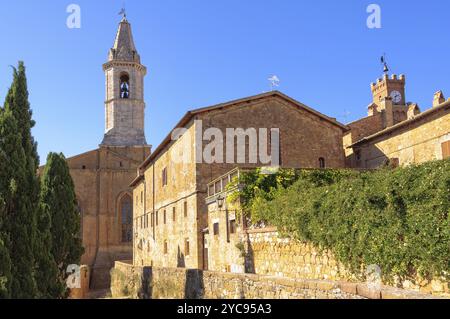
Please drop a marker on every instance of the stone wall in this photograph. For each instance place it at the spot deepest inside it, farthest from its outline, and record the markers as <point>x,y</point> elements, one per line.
<point>179,283</point>
<point>269,254</point>
<point>265,253</point>
<point>275,256</point>
<point>82,292</point>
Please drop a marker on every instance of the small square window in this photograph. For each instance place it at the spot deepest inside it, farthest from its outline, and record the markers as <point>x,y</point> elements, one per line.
<point>164,176</point>
<point>186,247</point>
<point>216,229</point>
<point>232,226</point>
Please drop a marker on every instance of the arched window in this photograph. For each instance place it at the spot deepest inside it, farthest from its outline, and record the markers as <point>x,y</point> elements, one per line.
<point>124,86</point>
<point>321,162</point>
<point>126,213</point>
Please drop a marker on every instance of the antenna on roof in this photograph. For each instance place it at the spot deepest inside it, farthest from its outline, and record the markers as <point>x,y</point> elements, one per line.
<point>385,65</point>
<point>274,82</point>
<point>345,115</point>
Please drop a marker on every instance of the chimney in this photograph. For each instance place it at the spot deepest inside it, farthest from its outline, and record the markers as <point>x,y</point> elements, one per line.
<point>438,98</point>
<point>413,110</point>
<point>388,111</point>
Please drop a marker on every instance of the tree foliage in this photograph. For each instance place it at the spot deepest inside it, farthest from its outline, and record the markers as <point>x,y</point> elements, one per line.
<point>397,219</point>
<point>16,216</point>
<point>58,203</point>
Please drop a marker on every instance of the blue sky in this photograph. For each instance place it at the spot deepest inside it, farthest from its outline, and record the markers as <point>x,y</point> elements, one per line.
<point>201,52</point>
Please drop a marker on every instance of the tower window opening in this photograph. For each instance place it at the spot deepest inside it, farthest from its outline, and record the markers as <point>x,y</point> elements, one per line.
<point>124,86</point>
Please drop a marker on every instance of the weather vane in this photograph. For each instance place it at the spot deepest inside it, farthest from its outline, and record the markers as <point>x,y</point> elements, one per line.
<point>385,65</point>
<point>123,11</point>
<point>274,82</point>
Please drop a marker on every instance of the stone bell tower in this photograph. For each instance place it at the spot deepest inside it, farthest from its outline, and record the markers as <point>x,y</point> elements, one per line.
<point>124,105</point>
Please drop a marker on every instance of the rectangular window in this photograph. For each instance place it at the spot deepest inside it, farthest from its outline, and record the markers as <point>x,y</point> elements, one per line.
<point>185,209</point>
<point>164,176</point>
<point>186,247</point>
<point>165,248</point>
<point>216,229</point>
<point>152,217</point>
<point>156,218</point>
<point>164,216</point>
<point>446,150</point>
<point>174,213</point>
<point>232,226</point>
<point>142,197</point>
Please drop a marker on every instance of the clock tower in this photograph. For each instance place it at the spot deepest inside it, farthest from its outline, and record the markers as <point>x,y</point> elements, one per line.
<point>389,99</point>
<point>393,87</point>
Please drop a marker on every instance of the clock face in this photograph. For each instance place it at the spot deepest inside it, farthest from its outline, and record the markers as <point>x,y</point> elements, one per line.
<point>396,96</point>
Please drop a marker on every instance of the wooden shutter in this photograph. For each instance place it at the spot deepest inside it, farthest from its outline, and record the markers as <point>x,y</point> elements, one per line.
<point>446,150</point>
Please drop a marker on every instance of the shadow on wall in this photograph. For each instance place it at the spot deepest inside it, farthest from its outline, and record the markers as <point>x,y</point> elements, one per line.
<point>146,283</point>
<point>181,263</point>
<point>249,258</point>
<point>377,158</point>
<point>194,286</point>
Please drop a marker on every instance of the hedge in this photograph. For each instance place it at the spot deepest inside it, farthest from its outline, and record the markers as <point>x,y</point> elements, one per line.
<point>397,219</point>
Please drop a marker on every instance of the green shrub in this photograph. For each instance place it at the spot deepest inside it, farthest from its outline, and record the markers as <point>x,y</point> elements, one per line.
<point>395,218</point>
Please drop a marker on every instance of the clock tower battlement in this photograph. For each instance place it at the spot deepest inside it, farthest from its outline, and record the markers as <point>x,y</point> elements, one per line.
<point>389,86</point>
<point>389,99</point>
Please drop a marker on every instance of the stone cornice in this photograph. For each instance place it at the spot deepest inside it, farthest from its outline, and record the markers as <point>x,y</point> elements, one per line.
<point>119,63</point>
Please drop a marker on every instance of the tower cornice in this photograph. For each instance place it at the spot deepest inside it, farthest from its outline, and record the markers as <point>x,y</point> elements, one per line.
<point>115,63</point>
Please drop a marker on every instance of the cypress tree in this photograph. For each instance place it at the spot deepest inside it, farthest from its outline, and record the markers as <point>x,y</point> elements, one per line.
<point>5,260</point>
<point>22,248</point>
<point>47,277</point>
<point>16,214</point>
<point>5,270</point>
<point>58,201</point>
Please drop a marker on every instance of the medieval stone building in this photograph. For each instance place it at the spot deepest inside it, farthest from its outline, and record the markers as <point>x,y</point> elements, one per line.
<point>170,212</point>
<point>102,176</point>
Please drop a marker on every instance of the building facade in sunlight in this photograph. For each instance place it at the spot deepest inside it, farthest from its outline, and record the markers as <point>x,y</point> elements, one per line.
<point>162,209</point>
